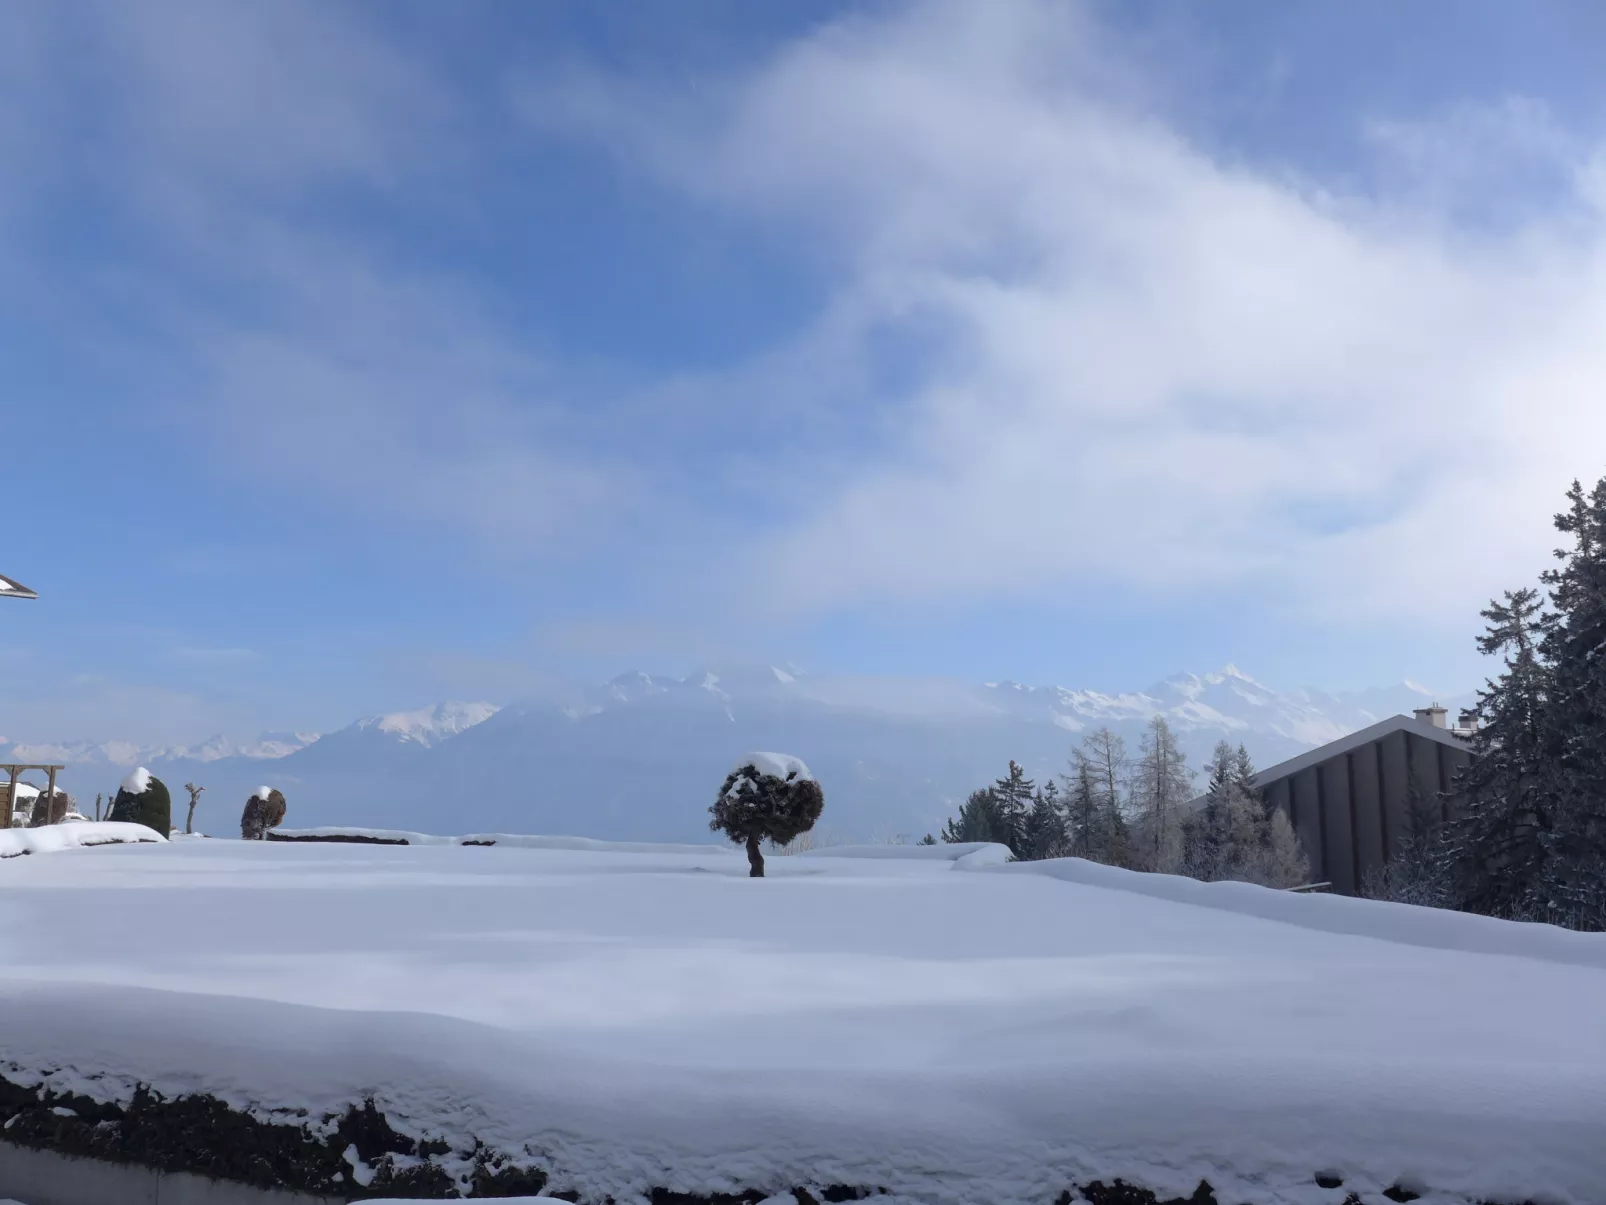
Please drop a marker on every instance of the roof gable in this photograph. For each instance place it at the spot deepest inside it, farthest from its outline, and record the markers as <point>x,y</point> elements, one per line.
<point>1395,723</point>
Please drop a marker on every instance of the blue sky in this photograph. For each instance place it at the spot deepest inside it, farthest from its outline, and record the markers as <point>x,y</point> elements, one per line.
<point>353,357</point>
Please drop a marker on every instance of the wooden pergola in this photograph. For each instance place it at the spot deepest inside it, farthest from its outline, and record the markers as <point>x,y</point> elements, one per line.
<point>8,801</point>
<point>10,587</point>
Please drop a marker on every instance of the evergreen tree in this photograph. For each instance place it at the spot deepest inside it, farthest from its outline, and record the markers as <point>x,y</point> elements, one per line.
<point>1243,773</point>
<point>1045,835</point>
<point>143,799</point>
<point>1161,792</point>
<point>928,839</point>
<point>979,819</point>
<point>1417,871</point>
<point>1498,848</point>
<point>1573,644</point>
<point>1282,862</point>
<point>1234,836</point>
<point>1205,837</point>
<point>1083,827</point>
<point>1013,796</point>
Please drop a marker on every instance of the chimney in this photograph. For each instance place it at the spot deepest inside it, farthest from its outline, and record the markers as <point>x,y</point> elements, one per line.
<point>1434,715</point>
<point>1467,721</point>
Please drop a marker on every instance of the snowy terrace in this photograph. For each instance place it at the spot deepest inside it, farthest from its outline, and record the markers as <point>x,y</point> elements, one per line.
<point>928,1023</point>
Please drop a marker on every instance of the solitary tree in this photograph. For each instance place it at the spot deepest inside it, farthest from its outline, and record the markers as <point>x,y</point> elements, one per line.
<point>195,798</point>
<point>767,797</point>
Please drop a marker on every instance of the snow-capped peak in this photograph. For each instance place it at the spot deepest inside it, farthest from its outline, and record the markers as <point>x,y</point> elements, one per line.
<point>429,725</point>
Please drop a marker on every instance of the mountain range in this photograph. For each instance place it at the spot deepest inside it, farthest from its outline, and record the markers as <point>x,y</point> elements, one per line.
<point>639,757</point>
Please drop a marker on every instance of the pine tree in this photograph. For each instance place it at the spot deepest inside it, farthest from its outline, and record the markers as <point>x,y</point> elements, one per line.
<point>1013,795</point>
<point>754,806</point>
<point>1574,646</point>
<point>1282,862</point>
<point>928,839</point>
<point>1162,788</point>
<point>1045,835</point>
<point>979,819</point>
<point>1497,850</point>
<point>1083,830</point>
<point>1417,872</point>
<point>1205,837</point>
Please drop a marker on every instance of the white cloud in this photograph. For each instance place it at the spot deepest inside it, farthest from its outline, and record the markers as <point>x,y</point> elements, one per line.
<point>1157,371</point>
<point>304,357</point>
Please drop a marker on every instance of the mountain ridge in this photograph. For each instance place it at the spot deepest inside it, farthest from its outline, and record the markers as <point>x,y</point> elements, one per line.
<point>633,756</point>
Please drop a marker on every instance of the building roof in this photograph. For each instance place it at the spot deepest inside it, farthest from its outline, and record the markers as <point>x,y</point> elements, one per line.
<point>1345,744</point>
<point>11,588</point>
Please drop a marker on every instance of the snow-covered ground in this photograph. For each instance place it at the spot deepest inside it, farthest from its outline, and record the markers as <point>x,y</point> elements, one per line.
<point>937,1025</point>
<point>52,838</point>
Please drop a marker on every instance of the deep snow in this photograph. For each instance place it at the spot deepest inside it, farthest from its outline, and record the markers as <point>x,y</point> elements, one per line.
<point>920,1019</point>
<point>75,834</point>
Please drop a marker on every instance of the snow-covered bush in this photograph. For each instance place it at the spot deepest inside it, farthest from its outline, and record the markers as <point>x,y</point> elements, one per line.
<point>143,799</point>
<point>264,810</point>
<point>51,809</point>
<point>767,797</point>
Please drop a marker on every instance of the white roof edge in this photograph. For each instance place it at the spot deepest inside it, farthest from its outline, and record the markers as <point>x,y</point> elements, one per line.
<point>1344,744</point>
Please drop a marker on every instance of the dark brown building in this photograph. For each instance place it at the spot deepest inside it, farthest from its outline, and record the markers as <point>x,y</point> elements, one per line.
<point>1348,800</point>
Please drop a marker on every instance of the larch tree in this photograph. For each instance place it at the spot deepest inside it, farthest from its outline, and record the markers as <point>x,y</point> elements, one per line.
<point>1161,790</point>
<point>1106,756</point>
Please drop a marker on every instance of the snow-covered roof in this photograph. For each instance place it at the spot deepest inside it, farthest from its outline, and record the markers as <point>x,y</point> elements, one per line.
<point>1146,1027</point>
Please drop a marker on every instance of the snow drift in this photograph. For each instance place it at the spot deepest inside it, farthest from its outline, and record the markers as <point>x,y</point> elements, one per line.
<point>950,1032</point>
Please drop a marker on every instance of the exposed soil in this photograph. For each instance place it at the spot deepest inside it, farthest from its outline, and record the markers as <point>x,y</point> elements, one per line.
<point>336,838</point>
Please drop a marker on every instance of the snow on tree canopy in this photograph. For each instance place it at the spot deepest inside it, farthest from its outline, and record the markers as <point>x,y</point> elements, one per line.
<point>262,793</point>
<point>138,782</point>
<point>781,765</point>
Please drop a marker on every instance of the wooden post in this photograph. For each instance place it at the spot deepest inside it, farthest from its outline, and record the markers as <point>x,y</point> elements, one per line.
<point>11,800</point>
<point>50,804</point>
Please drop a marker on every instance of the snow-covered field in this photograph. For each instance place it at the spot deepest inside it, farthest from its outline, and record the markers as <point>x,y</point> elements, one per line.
<point>948,1030</point>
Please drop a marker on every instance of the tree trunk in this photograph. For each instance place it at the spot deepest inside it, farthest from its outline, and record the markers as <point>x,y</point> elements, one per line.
<point>755,859</point>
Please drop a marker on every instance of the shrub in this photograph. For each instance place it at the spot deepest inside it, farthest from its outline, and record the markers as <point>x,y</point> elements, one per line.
<point>264,810</point>
<point>143,799</point>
